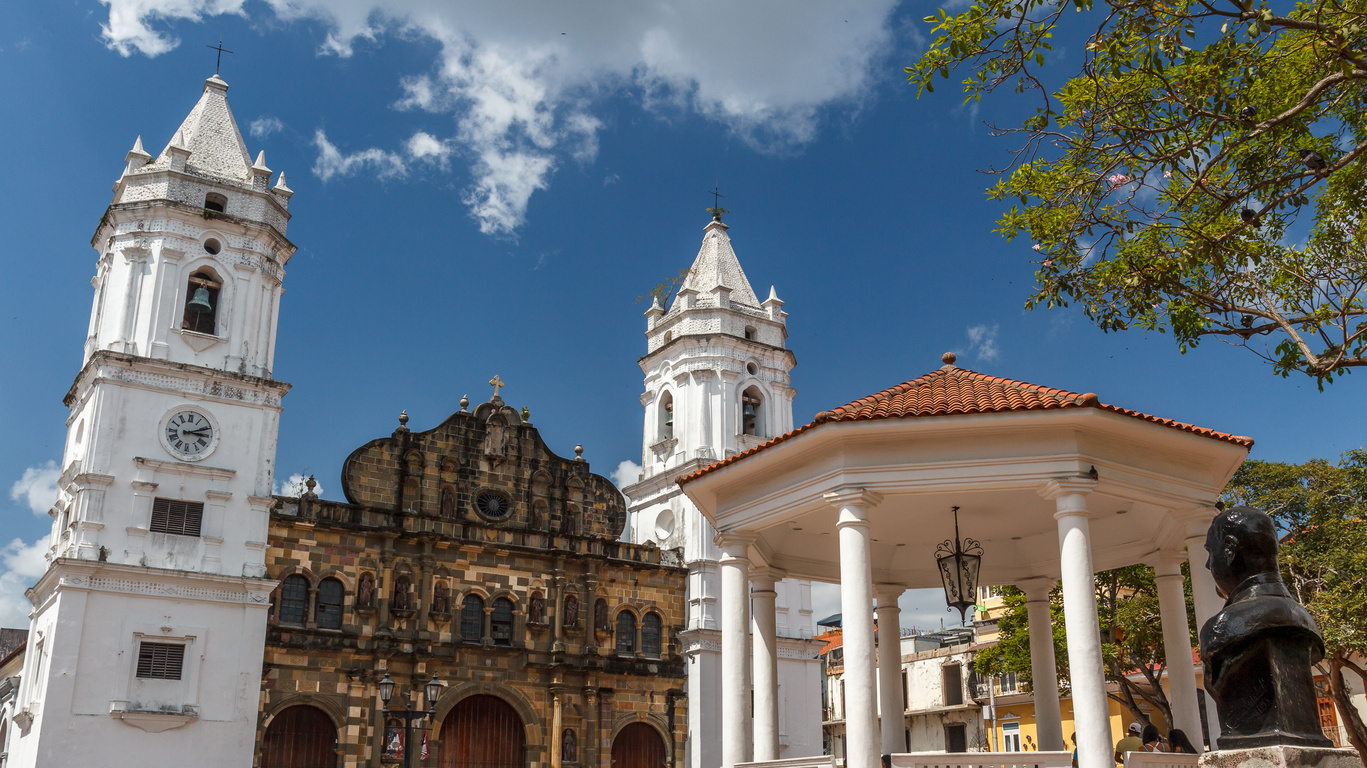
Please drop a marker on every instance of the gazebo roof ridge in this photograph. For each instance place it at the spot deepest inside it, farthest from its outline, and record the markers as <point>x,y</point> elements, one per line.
<point>954,391</point>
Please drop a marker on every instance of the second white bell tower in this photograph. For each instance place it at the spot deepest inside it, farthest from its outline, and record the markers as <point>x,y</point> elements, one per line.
<point>716,383</point>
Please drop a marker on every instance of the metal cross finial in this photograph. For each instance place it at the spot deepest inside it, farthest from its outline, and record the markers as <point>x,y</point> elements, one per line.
<point>496,382</point>
<point>716,210</point>
<point>221,50</point>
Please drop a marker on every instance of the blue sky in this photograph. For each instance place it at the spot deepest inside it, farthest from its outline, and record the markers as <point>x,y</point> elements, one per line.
<point>477,193</point>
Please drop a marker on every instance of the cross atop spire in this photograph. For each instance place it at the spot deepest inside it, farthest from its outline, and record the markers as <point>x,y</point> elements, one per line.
<point>716,210</point>
<point>218,62</point>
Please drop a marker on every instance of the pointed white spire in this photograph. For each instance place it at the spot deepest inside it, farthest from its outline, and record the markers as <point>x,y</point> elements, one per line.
<point>716,266</point>
<point>280,188</point>
<point>260,164</point>
<point>137,151</point>
<point>773,294</point>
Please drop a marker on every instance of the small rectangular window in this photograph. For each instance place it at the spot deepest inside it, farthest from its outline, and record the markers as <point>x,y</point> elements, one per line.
<point>954,685</point>
<point>179,517</point>
<point>160,661</point>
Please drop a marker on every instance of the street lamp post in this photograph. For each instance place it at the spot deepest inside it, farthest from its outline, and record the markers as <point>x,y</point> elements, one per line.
<point>433,689</point>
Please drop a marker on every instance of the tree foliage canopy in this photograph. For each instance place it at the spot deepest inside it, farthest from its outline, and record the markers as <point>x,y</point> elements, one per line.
<point>1201,173</point>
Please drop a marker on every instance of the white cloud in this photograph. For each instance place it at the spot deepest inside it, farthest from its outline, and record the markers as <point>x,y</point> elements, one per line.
<point>627,473</point>
<point>20,565</point>
<point>983,340</point>
<point>426,147</point>
<point>331,162</point>
<point>922,609</point>
<point>521,83</point>
<point>294,487</point>
<point>265,125</point>
<point>37,487</point>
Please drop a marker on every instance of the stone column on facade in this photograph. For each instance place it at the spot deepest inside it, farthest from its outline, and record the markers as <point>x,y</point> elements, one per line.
<point>557,725</point>
<point>1207,602</point>
<point>1043,669</point>
<point>591,727</point>
<point>735,648</point>
<point>1172,609</point>
<point>763,597</point>
<point>384,586</point>
<point>589,610</point>
<point>892,715</point>
<point>856,607</point>
<point>558,624</point>
<point>1091,708</point>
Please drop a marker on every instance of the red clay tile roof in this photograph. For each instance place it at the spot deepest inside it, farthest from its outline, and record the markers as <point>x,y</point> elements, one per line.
<point>951,391</point>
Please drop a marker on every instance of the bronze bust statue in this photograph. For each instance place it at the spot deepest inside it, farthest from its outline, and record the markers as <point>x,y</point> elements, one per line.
<point>1258,650</point>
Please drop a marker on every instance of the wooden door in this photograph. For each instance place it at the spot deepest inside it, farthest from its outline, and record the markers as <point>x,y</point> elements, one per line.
<point>300,737</point>
<point>482,732</point>
<point>639,746</point>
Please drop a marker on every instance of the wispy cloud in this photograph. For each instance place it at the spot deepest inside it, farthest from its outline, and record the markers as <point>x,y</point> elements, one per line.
<point>295,487</point>
<point>982,339</point>
<point>265,125</point>
<point>524,86</point>
<point>37,487</point>
<point>331,162</point>
<point>20,565</point>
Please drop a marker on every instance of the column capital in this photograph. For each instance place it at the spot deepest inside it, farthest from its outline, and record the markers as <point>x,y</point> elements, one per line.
<point>887,594</point>
<point>1166,563</point>
<point>1066,486</point>
<point>1036,590</point>
<point>851,496</point>
<point>735,544</point>
<point>766,576</point>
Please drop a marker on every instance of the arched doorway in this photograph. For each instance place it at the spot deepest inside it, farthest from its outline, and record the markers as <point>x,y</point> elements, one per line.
<point>482,732</point>
<point>300,737</point>
<point>639,746</point>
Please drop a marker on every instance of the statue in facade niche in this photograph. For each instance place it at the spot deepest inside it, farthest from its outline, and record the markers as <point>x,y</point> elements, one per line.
<point>600,615</point>
<point>365,593</point>
<point>401,595</point>
<point>571,611</point>
<point>569,747</point>
<point>536,609</point>
<point>1258,650</point>
<point>439,598</point>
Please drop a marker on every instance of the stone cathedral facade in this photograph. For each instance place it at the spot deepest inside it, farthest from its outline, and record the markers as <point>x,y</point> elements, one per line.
<point>472,552</point>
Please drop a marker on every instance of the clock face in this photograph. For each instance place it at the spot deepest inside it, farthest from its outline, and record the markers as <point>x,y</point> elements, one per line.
<point>188,434</point>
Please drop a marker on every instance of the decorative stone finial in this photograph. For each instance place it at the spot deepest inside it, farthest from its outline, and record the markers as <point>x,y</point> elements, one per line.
<point>526,414</point>
<point>281,188</point>
<point>403,419</point>
<point>579,453</point>
<point>260,165</point>
<point>464,403</point>
<point>137,152</point>
<point>948,358</point>
<point>310,484</point>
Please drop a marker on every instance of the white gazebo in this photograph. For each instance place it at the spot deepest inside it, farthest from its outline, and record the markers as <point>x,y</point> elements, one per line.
<point>1054,484</point>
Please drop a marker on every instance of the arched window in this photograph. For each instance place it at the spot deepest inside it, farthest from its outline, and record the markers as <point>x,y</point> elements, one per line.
<point>294,600</point>
<point>201,303</point>
<point>752,412</point>
<point>501,622</point>
<point>328,613</point>
<point>472,619</point>
<point>666,425</point>
<point>626,632</point>
<point>215,202</point>
<point>650,635</point>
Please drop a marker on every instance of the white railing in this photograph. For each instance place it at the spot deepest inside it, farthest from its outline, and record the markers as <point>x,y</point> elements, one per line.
<point>816,761</point>
<point>1159,760</point>
<point>983,760</point>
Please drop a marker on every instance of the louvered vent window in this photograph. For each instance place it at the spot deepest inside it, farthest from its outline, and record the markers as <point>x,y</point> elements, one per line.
<point>160,661</point>
<point>178,517</point>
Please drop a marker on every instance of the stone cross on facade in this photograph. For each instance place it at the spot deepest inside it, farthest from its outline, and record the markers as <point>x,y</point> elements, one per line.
<point>496,382</point>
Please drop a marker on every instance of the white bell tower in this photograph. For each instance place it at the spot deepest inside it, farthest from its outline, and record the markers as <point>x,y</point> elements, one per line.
<point>717,383</point>
<point>147,630</point>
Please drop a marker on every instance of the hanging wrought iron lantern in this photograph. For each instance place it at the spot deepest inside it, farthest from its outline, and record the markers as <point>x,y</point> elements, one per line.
<point>959,561</point>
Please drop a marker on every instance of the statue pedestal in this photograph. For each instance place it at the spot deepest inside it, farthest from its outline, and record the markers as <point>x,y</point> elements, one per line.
<point>1281,757</point>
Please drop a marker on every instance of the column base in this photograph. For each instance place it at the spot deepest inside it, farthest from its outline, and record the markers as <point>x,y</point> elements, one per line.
<point>1281,756</point>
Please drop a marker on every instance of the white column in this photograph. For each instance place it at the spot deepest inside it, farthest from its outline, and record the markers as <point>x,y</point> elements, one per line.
<point>891,713</point>
<point>1043,670</point>
<point>735,648</point>
<point>763,598</point>
<point>1207,602</point>
<point>856,607</point>
<point>1086,672</point>
<point>1172,609</point>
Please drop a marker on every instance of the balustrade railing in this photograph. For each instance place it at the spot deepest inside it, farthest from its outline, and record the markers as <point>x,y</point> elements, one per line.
<point>983,760</point>
<point>1159,760</point>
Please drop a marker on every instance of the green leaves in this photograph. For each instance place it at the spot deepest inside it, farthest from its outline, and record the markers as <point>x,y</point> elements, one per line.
<point>1131,174</point>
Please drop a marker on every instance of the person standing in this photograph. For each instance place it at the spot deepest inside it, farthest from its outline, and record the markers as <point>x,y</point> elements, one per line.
<point>1131,743</point>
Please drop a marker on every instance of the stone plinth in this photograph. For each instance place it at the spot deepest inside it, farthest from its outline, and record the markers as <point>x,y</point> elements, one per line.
<point>1281,757</point>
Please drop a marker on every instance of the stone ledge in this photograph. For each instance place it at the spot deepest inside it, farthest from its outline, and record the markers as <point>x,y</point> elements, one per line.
<point>1281,757</point>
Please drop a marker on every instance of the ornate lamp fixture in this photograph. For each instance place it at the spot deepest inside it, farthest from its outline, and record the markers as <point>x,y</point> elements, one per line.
<point>959,561</point>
